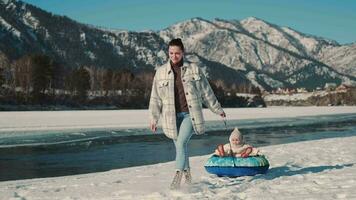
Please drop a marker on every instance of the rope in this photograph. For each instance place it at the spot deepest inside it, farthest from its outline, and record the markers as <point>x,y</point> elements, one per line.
<point>227,131</point>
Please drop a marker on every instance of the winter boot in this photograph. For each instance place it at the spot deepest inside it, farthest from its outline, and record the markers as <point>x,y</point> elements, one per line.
<point>187,176</point>
<point>176,180</point>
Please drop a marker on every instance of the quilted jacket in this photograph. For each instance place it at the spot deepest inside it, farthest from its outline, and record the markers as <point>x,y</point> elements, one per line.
<point>197,92</point>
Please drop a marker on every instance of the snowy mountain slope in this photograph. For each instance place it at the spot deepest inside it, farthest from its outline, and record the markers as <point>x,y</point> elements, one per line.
<point>253,45</point>
<point>342,58</point>
<point>267,55</point>
<point>27,29</point>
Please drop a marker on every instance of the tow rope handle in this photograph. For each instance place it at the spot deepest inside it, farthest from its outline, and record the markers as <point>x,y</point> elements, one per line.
<point>230,152</point>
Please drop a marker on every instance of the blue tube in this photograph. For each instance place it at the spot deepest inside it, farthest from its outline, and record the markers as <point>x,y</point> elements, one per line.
<point>234,167</point>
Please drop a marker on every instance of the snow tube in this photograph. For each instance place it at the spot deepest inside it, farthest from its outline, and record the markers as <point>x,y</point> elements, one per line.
<point>234,167</point>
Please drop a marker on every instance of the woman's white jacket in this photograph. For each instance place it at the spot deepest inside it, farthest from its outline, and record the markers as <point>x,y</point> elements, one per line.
<point>197,91</point>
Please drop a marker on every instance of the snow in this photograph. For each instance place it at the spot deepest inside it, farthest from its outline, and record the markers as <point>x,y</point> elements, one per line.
<point>90,54</point>
<point>324,71</point>
<point>309,43</point>
<point>10,5</point>
<point>162,55</point>
<point>118,50</point>
<point>247,95</point>
<point>268,32</point>
<point>190,30</point>
<point>8,27</point>
<point>270,81</point>
<point>298,96</point>
<point>232,25</point>
<point>320,169</point>
<point>114,42</point>
<point>117,32</point>
<point>5,1</point>
<point>30,20</point>
<point>75,120</point>
<point>83,38</point>
<point>108,38</point>
<point>238,50</point>
<point>287,97</point>
<point>252,77</point>
<point>343,58</point>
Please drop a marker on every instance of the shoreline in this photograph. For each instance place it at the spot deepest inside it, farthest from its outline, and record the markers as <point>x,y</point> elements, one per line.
<point>298,170</point>
<point>110,119</point>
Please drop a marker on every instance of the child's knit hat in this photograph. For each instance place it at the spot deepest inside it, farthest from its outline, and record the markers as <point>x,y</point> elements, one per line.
<point>236,134</point>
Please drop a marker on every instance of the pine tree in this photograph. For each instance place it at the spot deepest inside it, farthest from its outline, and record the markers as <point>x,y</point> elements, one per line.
<point>108,81</point>
<point>22,74</point>
<point>81,83</point>
<point>4,66</point>
<point>41,74</point>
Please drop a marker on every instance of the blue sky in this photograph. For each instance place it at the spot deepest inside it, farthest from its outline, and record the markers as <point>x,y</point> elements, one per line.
<point>331,19</point>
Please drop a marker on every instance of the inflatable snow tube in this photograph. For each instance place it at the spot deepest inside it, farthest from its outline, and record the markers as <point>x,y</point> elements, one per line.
<point>234,167</point>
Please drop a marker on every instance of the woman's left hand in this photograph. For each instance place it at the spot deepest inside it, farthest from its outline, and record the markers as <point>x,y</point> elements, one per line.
<point>153,126</point>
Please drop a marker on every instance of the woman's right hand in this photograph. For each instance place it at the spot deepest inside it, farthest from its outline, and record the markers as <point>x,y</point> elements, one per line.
<point>153,127</point>
<point>223,114</point>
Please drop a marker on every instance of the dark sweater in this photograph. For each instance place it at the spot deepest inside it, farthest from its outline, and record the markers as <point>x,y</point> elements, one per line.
<point>179,96</point>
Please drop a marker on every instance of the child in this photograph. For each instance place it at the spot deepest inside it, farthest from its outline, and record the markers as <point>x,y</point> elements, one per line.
<point>236,147</point>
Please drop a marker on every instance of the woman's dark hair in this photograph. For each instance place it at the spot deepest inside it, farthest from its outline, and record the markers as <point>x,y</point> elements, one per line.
<point>177,42</point>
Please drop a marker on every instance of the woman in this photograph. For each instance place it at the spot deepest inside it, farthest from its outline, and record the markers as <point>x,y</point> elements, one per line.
<point>178,91</point>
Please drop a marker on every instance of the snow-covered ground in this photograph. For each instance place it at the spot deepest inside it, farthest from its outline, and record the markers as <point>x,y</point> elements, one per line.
<point>320,169</point>
<point>299,96</point>
<point>68,120</point>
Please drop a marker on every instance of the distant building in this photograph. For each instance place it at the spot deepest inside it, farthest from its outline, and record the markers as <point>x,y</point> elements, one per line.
<point>318,88</point>
<point>265,92</point>
<point>301,90</point>
<point>292,91</point>
<point>343,88</point>
<point>330,86</point>
<point>284,91</point>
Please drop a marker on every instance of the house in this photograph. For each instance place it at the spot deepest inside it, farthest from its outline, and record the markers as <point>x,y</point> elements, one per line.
<point>330,86</point>
<point>343,88</point>
<point>301,90</point>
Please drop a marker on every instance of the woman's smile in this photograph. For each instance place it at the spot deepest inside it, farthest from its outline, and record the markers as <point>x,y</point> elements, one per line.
<point>175,54</point>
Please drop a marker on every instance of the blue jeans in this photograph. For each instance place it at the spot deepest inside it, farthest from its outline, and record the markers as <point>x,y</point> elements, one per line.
<point>185,131</point>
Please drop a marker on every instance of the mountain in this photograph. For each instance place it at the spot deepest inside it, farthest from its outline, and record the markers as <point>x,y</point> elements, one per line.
<point>27,29</point>
<point>247,51</point>
<point>270,56</point>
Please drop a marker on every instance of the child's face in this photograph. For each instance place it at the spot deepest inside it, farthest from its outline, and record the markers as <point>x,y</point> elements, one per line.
<point>235,141</point>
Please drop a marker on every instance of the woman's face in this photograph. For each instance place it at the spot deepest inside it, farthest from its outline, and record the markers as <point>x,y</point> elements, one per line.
<point>175,54</point>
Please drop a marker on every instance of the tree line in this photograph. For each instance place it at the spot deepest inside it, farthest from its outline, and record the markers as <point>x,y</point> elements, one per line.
<point>40,80</point>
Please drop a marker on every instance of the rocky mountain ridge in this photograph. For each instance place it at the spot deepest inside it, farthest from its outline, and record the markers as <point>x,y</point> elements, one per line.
<point>264,54</point>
